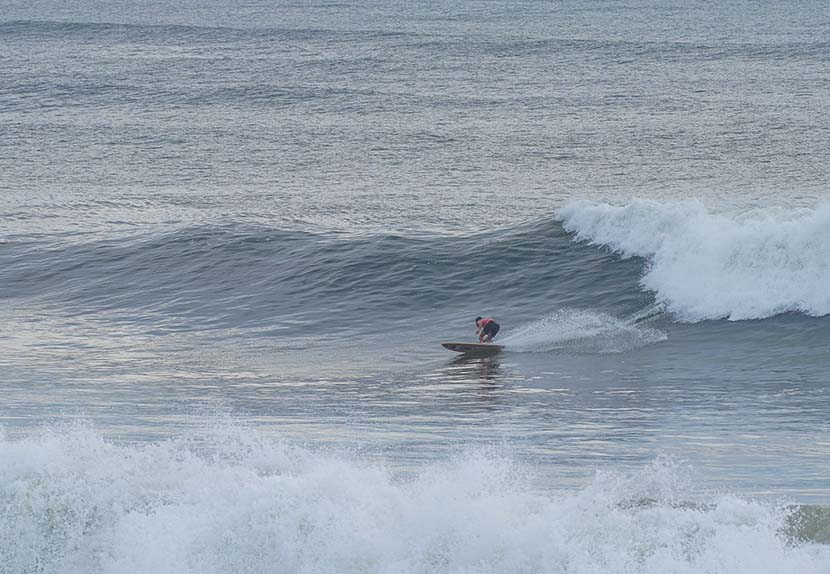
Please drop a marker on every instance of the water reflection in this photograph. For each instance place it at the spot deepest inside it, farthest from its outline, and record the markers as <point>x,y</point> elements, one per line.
<point>749,428</point>
<point>482,369</point>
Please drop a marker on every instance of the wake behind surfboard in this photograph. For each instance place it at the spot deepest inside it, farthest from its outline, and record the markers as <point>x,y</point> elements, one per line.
<point>474,348</point>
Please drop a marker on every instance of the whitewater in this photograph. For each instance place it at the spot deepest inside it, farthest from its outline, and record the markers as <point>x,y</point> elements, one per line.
<point>235,501</point>
<point>705,265</point>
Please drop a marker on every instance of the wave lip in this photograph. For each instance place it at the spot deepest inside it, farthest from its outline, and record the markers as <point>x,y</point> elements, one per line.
<point>704,265</point>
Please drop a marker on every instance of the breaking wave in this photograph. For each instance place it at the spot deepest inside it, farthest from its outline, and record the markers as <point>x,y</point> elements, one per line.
<point>704,265</point>
<point>236,501</point>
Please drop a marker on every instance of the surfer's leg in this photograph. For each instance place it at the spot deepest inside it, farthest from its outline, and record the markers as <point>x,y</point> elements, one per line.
<point>490,332</point>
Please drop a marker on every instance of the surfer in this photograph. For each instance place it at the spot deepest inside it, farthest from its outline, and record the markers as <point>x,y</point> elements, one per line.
<point>486,329</point>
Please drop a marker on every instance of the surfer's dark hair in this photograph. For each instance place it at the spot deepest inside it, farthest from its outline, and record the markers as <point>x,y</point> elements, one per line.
<point>478,319</point>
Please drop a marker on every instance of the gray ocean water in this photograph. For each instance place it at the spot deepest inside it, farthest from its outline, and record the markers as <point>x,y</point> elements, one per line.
<point>233,235</point>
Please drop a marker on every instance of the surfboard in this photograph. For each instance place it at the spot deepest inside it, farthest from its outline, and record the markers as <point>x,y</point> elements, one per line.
<point>474,348</point>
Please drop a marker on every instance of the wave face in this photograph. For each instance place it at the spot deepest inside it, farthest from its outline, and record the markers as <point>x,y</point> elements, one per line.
<point>255,277</point>
<point>703,265</point>
<point>234,501</point>
<point>698,265</point>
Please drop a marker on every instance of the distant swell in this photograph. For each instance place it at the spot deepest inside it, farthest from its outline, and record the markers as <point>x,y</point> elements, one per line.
<point>704,265</point>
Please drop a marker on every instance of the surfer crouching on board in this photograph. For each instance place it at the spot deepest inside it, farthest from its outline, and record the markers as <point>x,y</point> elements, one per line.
<point>486,329</point>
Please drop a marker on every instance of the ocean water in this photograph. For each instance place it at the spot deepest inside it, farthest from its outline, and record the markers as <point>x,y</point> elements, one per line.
<point>233,235</point>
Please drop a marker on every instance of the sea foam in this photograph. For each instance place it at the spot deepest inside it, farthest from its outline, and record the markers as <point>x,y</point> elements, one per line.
<point>235,501</point>
<point>704,265</point>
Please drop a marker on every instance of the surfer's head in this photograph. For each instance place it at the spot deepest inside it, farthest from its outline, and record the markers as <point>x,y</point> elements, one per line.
<point>477,320</point>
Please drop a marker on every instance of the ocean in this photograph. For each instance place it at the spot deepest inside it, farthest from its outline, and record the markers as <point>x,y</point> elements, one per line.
<point>234,234</point>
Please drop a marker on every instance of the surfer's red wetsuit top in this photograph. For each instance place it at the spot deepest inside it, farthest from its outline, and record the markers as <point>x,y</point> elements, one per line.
<point>484,322</point>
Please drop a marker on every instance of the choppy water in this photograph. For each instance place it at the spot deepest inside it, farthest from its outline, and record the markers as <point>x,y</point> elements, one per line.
<point>231,238</point>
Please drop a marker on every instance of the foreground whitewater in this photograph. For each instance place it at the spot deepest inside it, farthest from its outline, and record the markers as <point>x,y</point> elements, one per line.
<point>232,500</point>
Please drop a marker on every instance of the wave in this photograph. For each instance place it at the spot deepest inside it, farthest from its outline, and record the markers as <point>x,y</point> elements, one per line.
<point>679,258</point>
<point>704,265</point>
<point>232,500</point>
<point>244,276</point>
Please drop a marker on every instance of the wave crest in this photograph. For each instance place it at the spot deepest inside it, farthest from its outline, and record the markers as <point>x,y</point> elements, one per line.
<point>704,265</point>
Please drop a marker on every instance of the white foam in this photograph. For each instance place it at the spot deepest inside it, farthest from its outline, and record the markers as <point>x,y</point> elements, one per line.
<point>581,331</point>
<point>704,265</point>
<point>237,502</point>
